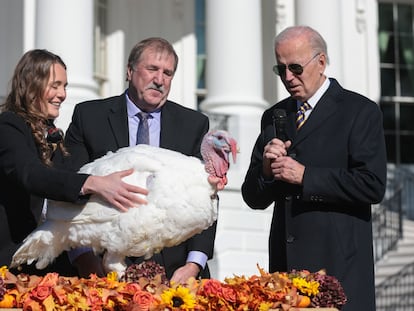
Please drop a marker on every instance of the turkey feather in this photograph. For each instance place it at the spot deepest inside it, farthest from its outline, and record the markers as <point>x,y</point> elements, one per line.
<point>181,203</point>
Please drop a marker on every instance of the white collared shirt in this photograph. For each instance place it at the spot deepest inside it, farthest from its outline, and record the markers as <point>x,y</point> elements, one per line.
<point>313,101</point>
<point>154,124</point>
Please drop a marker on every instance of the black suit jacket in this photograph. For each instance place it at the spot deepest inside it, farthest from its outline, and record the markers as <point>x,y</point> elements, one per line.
<point>326,222</point>
<point>24,182</point>
<point>100,126</point>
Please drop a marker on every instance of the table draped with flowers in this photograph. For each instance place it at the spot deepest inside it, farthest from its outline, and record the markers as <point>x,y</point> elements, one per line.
<point>144,288</point>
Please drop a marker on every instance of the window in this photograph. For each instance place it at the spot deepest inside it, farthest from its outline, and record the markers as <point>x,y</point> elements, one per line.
<point>396,47</point>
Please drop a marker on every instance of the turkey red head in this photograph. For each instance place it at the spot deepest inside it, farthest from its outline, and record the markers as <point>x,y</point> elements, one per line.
<point>216,147</point>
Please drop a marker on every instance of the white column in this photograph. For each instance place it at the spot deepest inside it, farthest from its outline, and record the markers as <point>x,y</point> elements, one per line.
<point>330,27</point>
<point>65,27</point>
<point>234,68</point>
<point>234,58</point>
<point>235,87</point>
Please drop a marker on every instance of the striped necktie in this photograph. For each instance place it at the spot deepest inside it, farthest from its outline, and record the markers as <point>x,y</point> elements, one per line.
<point>143,131</point>
<point>300,115</point>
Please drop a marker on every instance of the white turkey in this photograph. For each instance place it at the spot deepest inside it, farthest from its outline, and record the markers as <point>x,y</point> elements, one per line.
<point>181,203</point>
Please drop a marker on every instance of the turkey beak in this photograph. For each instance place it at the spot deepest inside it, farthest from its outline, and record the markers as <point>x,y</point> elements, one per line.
<point>233,148</point>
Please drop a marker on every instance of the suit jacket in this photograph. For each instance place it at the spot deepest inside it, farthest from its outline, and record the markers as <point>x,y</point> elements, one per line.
<point>326,222</point>
<point>24,182</point>
<point>100,126</point>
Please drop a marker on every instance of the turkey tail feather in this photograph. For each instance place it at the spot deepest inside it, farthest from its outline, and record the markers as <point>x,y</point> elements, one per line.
<point>42,246</point>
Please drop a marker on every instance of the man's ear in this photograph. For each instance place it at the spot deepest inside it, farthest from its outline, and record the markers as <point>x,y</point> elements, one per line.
<point>129,74</point>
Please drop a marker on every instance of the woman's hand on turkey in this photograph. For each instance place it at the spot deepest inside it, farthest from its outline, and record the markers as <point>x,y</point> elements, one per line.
<point>118,193</point>
<point>182,274</point>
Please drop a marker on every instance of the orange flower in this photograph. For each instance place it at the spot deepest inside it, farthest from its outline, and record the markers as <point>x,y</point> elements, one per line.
<point>211,287</point>
<point>143,299</point>
<point>229,294</point>
<point>41,292</point>
<point>131,288</point>
<point>50,279</point>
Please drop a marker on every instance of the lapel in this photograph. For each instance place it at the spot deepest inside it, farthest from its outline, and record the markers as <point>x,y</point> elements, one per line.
<point>118,120</point>
<point>168,135</point>
<point>325,108</point>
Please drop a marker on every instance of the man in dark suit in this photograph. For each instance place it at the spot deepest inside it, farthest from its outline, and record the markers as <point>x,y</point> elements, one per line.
<point>324,175</point>
<point>100,126</point>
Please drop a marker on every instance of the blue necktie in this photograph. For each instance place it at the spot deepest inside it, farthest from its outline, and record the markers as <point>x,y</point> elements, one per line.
<point>143,131</point>
<point>300,115</point>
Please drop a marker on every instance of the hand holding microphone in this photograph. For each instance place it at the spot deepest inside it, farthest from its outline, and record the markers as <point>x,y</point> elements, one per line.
<point>276,146</point>
<point>277,162</point>
<point>278,141</point>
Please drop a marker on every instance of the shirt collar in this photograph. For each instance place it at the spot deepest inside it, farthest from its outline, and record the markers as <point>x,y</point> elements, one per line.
<point>318,94</point>
<point>132,109</point>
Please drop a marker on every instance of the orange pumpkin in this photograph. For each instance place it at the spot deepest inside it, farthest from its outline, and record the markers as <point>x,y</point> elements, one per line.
<point>303,302</point>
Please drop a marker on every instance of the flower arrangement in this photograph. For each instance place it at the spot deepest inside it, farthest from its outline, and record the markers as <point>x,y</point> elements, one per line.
<point>147,290</point>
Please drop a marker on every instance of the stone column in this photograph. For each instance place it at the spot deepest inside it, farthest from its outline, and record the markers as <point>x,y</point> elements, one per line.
<point>234,68</point>
<point>66,27</point>
<point>235,88</point>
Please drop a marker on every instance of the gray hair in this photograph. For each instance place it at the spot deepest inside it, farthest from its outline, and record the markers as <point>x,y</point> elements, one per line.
<point>158,44</point>
<point>316,41</point>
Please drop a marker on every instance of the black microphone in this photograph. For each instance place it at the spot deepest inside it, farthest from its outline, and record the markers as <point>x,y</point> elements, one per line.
<point>279,124</point>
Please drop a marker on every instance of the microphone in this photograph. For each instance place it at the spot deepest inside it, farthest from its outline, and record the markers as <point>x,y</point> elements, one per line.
<point>279,124</point>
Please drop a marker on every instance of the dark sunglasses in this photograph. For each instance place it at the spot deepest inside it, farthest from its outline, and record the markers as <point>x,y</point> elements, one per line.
<point>293,68</point>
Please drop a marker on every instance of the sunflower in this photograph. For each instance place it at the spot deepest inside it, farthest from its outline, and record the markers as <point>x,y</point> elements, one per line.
<point>309,288</point>
<point>179,297</point>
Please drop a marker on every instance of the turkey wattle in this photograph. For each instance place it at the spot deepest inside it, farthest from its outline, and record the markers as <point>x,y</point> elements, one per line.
<point>181,203</point>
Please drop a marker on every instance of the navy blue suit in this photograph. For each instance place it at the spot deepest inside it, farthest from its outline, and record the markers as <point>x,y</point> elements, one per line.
<point>326,222</point>
<point>100,126</point>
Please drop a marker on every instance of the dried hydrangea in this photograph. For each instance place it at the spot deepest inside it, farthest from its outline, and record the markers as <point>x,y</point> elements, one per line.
<point>331,293</point>
<point>146,269</point>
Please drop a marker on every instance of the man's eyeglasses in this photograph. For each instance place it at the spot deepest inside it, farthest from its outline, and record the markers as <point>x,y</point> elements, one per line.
<point>293,68</point>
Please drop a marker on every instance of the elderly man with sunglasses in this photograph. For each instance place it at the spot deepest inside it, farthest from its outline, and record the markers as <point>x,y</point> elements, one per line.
<point>323,174</point>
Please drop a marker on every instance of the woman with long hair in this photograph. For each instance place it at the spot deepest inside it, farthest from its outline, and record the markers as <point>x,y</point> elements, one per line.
<point>28,142</point>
